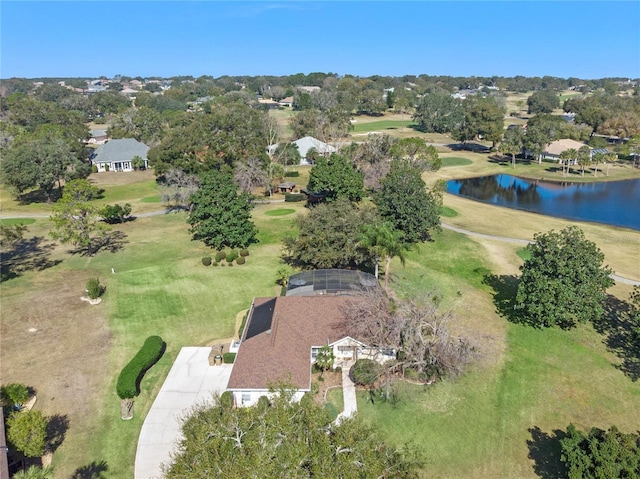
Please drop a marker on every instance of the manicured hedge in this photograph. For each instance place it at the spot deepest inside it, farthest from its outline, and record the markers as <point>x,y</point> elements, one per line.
<point>229,358</point>
<point>206,261</point>
<point>131,374</point>
<point>291,174</point>
<point>294,197</point>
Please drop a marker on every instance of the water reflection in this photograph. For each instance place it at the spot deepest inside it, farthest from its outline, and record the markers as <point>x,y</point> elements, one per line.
<point>615,203</point>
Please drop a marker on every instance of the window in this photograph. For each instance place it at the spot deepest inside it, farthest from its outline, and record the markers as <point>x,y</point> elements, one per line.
<point>246,397</point>
<point>314,352</point>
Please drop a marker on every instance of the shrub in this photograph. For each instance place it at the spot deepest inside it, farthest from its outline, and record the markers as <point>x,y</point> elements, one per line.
<point>220,255</point>
<point>115,214</point>
<point>27,431</point>
<point>131,374</point>
<point>243,324</point>
<point>206,261</point>
<point>228,358</point>
<point>231,255</point>
<point>215,263</point>
<point>244,252</point>
<point>240,260</point>
<point>291,174</point>
<point>94,288</point>
<point>365,372</point>
<point>226,400</point>
<point>294,197</point>
<point>14,394</point>
<point>94,169</point>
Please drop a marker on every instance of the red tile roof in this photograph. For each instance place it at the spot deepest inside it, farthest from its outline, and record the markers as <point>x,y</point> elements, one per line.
<point>276,344</point>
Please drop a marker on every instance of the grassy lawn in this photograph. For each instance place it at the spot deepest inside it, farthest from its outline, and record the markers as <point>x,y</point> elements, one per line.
<point>382,125</point>
<point>72,353</point>
<point>449,161</point>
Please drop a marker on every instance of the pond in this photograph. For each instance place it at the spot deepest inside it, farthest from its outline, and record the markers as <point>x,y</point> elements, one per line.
<point>613,203</point>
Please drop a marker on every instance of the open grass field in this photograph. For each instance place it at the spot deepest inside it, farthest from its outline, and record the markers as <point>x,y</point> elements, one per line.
<point>478,426</point>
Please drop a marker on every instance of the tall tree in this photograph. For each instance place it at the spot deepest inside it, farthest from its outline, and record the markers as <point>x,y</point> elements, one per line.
<point>280,438</point>
<point>563,282</point>
<point>584,158</point>
<point>403,201</point>
<point>482,117</point>
<point>417,153</point>
<point>543,101</point>
<point>383,241</point>
<point>250,174</point>
<point>327,237</point>
<point>567,158</point>
<point>512,143</point>
<point>220,216</point>
<point>75,219</point>
<point>438,112</point>
<point>337,177</point>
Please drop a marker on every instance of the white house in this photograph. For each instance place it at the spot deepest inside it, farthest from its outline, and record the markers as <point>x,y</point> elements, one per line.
<point>304,145</point>
<point>117,155</point>
<point>281,340</point>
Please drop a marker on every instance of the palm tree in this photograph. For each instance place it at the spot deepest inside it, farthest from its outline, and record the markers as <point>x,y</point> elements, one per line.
<point>383,240</point>
<point>567,156</point>
<point>598,158</point>
<point>325,359</point>
<point>611,158</point>
<point>512,143</point>
<point>584,158</point>
<point>35,472</point>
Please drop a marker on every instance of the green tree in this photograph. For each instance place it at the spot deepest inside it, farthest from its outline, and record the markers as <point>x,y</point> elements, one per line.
<point>563,282</point>
<point>383,241</point>
<point>113,214</point>
<point>76,220</point>
<point>600,454</point>
<point>11,234</point>
<point>328,237</point>
<point>325,359</point>
<point>286,154</point>
<point>482,117</point>
<point>512,143</point>
<point>567,158</point>
<point>337,177</point>
<point>438,112</point>
<point>220,216</point>
<point>39,163</point>
<point>597,158</point>
<point>417,153</point>
<point>280,438</point>
<point>27,431</point>
<point>403,201</point>
<point>543,101</point>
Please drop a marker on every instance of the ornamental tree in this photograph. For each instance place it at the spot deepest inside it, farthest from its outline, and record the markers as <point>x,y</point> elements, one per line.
<point>220,215</point>
<point>563,282</point>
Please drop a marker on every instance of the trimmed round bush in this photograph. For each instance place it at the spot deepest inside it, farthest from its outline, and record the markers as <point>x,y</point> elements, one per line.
<point>240,260</point>
<point>231,256</point>
<point>244,252</point>
<point>365,372</point>
<point>226,400</point>
<point>206,261</point>
<point>131,374</point>
<point>220,255</point>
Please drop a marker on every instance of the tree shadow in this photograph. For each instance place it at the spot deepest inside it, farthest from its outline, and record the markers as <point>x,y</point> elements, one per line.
<point>38,196</point>
<point>546,451</point>
<point>620,337</point>
<point>30,254</point>
<point>112,242</point>
<point>57,427</point>
<point>94,470</point>
<point>504,288</point>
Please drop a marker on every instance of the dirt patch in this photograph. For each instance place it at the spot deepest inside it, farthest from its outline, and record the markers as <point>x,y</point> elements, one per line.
<point>56,344</point>
<point>331,379</point>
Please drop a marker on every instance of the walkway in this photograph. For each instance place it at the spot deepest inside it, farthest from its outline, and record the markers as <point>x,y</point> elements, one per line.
<point>348,392</point>
<point>615,277</point>
<point>191,381</point>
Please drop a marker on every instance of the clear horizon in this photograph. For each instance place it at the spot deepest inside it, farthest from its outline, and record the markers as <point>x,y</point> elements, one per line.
<point>586,40</point>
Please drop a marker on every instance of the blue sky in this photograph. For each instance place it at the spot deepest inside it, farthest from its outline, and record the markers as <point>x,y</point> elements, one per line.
<point>506,38</point>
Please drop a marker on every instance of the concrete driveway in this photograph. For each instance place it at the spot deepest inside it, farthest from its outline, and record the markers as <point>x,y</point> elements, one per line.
<point>191,381</point>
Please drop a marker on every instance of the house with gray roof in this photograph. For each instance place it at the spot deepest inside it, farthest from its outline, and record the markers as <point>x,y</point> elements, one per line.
<point>304,145</point>
<point>117,155</point>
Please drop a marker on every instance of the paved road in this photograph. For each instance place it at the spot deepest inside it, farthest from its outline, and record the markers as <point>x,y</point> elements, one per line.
<point>505,239</point>
<point>615,277</point>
